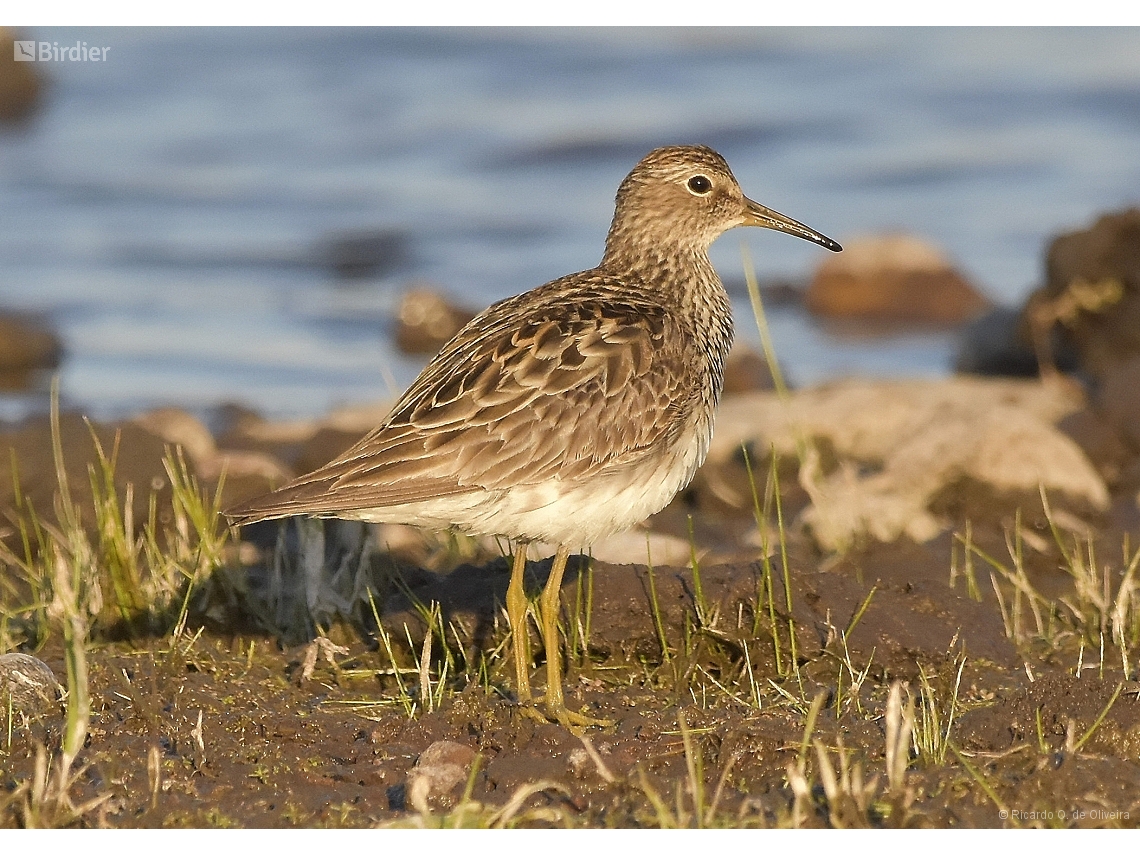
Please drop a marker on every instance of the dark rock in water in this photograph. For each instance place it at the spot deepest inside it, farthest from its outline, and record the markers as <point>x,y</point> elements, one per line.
<point>783,292</point>
<point>777,291</point>
<point>1092,293</point>
<point>27,346</point>
<point>21,89</point>
<point>893,278</point>
<point>364,255</point>
<point>999,344</point>
<point>426,320</point>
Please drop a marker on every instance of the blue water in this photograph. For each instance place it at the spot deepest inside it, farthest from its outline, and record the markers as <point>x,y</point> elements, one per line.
<point>167,208</point>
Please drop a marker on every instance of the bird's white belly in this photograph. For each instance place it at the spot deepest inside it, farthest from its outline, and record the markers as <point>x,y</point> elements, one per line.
<point>575,513</point>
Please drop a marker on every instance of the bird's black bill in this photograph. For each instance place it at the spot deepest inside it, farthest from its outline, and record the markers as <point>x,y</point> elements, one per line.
<point>766,218</point>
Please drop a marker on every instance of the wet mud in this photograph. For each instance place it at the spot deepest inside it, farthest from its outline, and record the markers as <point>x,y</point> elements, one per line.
<point>729,708</point>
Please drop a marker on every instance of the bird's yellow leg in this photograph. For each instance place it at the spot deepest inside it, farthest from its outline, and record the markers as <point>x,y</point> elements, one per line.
<point>551,606</point>
<point>516,617</point>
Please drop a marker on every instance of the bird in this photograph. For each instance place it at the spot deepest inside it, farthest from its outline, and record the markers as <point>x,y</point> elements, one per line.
<point>569,412</point>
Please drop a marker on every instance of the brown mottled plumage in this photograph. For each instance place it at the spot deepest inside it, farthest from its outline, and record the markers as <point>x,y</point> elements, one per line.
<point>572,411</point>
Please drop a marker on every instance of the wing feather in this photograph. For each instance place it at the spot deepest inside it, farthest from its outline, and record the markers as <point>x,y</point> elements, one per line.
<point>557,383</point>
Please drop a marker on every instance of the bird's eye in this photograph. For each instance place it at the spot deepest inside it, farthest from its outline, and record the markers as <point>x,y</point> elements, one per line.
<point>700,185</point>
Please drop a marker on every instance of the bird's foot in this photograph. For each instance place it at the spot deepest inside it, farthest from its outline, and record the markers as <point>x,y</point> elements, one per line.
<point>560,713</point>
<point>572,721</point>
<point>529,710</point>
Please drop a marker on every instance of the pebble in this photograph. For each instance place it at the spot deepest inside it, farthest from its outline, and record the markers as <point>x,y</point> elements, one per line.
<point>31,687</point>
<point>441,767</point>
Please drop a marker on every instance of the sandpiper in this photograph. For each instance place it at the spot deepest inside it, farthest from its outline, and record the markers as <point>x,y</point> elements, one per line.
<point>567,413</point>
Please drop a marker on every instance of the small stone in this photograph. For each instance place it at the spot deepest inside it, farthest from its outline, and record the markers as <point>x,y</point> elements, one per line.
<point>440,768</point>
<point>30,686</point>
<point>580,763</point>
<point>426,320</point>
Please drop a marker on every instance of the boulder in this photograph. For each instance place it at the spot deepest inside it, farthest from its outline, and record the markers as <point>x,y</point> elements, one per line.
<point>746,371</point>
<point>180,428</point>
<point>996,344</point>
<point>26,459</point>
<point>364,254</point>
<point>27,345</point>
<point>899,445</point>
<point>426,320</point>
<point>1092,293</point>
<point>893,279</point>
<point>1117,401</point>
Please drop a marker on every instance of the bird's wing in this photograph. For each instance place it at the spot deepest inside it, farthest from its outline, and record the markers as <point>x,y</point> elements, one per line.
<point>551,384</point>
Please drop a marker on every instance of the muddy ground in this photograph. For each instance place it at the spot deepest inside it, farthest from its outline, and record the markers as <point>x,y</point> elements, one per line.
<point>712,710</point>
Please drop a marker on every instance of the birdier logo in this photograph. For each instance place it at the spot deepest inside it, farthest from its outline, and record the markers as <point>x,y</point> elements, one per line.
<point>33,51</point>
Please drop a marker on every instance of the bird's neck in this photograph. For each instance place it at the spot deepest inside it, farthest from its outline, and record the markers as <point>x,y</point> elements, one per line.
<point>675,271</point>
<point>682,277</point>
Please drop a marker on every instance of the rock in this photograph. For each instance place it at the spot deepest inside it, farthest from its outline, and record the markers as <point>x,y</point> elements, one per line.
<point>303,444</point>
<point>783,292</point>
<point>1101,442</point>
<point>776,291</point>
<point>442,767</point>
<point>180,428</point>
<point>26,346</point>
<point>365,254</point>
<point>899,445</point>
<point>1117,400</point>
<point>996,344</point>
<point>323,446</point>
<point>246,473</point>
<point>259,455</point>
<point>357,418</point>
<point>893,278</point>
<point>139,462</point>
<point>31,688</point>
<point>245,464</point>
<point>20,87</point>
<point>426,320</point>
<point>746,371</point>
<point>1092,292</point>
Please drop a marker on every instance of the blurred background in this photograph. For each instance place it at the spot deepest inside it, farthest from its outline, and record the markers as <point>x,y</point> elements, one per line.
<point>235,215</point>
